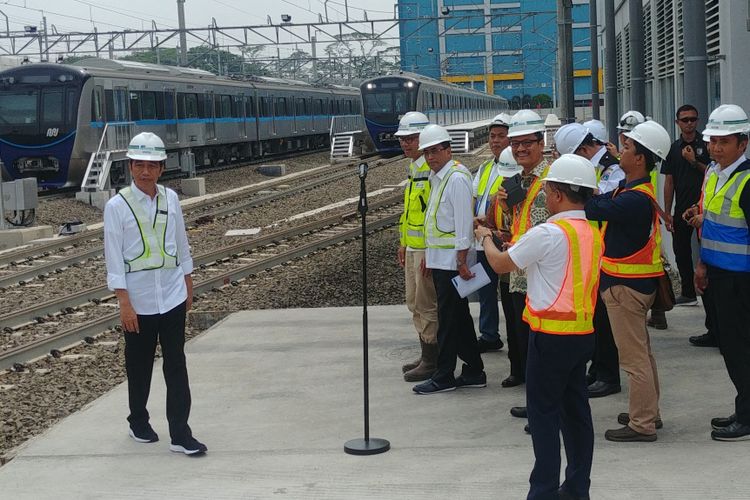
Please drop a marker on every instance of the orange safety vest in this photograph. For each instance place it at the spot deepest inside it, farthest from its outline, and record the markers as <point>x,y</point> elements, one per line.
<point>572,311</point>
<point>646,262</point>
<point>522,211</point>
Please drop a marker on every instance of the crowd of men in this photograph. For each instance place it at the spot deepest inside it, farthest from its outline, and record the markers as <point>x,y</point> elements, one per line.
<point>575,249</point>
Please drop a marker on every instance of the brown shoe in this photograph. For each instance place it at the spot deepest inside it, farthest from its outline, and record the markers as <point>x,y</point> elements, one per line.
<point>628,435</point>
<point>624,419</point>
<point>657,320</point>
<point>426,366</point>
<point>410,366</point>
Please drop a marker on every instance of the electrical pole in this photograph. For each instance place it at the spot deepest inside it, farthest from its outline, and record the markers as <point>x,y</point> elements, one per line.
<point>637,77</point>
<point>314,59</point>
<point>696,62</point>
<point>565,57</point>
<point>610,69</point>
<point>183,36</point>
<point>594,60</point>
<point>46,41</point>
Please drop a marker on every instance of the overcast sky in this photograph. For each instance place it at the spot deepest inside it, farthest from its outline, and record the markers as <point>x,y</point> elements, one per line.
<point>114,15</point>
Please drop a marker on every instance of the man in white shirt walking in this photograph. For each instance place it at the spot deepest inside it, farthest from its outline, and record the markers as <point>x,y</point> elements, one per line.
<point>148,267</point>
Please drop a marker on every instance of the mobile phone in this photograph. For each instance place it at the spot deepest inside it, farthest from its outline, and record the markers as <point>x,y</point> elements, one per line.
<point>516,192</point>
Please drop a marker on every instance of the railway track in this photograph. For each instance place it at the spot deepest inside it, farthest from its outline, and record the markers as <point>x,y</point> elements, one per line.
<point>223,267</point>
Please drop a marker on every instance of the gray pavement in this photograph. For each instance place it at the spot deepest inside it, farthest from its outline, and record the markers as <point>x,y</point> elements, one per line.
<point>276,393</point>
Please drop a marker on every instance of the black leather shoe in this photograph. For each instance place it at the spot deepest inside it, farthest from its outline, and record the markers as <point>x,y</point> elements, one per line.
<point>600,389</point>
<point>733,432</point>
<point>590,378</point>
<point>705,340</point>
<point>624,419</point>
<point>519,412</point>
<point>512,381</point>
<point>489,346</point>
<point>562,494</point>
<point>526,429</point>
<point>721,422</point>
<point>628,435</point>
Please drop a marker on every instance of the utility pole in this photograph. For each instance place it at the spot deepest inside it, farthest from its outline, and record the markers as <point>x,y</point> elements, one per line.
<point>594,60</point>
<point>696,62</point>
<point>183,36</point>
<point>565,57</point>
<point>314,58</point>
<point>46,40</point>
<point>637,77</point>
<point>610,69</point>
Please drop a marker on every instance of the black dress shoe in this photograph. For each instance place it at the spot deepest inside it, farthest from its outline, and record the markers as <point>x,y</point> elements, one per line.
<point>733,432</point>
<point>519,412</point>
<point>489,345</point>
<point>721,422</point>
<point>590,378</point>
<point>526,429</point>
<point>512,381</point>
<point>600,389</point>
<point>705,340</point>
<point>563,494</point>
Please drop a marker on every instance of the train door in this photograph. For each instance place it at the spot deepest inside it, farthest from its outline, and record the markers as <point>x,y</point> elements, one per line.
<point>97,106</point>
<point>170,114</point>
<point>238,111</point>
<point>208,106</point>
<point>120,96</point>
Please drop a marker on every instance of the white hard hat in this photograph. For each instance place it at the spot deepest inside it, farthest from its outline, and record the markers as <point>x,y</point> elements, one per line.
<point>432,135</point>
<point>508,165</point>
<point>525,122</point>
<point>568,138</point>
<point>411,123</point>
<point>727,119</point>
<point>572,169</point>
<point>653,137</point>
<point>630,119</point>
<point>598,130</point>
<point>503,119</point>
<point>147,146</point>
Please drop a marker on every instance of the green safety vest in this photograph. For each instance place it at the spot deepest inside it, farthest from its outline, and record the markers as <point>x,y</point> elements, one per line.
<point>438,237</point>
<point>416,196</point>
<point>484,179</point>
<point>153,233</point>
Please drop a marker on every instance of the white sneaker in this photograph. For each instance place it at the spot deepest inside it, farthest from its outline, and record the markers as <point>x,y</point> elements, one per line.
<point>189,447</point>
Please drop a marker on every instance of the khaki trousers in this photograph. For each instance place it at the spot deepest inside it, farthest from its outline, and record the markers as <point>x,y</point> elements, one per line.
<point>627,311</point>
<point>421,298</point>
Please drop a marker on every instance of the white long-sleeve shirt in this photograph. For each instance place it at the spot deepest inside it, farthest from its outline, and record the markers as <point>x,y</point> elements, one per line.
<point>154,291</point>
<point>453,212</point>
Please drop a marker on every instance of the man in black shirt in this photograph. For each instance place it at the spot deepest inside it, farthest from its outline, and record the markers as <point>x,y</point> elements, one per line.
<point>684,169</point>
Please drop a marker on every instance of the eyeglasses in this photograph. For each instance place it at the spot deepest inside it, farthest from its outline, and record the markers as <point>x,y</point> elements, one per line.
<point>689,119</point>
<point>432,151</point>
<point>526,144</point>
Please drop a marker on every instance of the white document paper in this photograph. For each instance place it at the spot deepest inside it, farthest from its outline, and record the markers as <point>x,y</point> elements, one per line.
<point>480,279</point>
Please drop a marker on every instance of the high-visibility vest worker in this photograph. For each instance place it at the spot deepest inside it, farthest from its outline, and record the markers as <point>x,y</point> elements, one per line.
<point>646,262</point>
<point>152,233</point>
<point>416,196</point>
<point>572,312</point>
<point>725,238</point>
<point>484,190</point>
<point>522,211</point>
<point>445,237</point>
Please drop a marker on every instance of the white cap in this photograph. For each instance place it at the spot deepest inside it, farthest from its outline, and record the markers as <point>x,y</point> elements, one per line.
<point>598,130</point>
<point>569,137</point>
<point>147,146</point>
<point>630,119</point>
<point>574,170</point>
<point>503,119</point>
<point>653,137</point>
<point>432,135</point>
<point>507,163</point>
<point>727,119</point>
<point>525,122</point>
<point>411,123</point>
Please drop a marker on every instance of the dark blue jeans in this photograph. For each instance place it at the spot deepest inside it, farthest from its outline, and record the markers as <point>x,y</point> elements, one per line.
<point>557,400</point>
<point>489,313</point>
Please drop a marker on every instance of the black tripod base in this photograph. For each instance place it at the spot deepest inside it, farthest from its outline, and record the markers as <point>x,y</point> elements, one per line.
<point>371,446</point>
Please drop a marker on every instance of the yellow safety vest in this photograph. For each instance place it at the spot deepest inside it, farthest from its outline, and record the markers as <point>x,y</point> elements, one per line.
<point>436,237</point>
<point>572,311</point>
<point>416,196</point>
<point>153,233</point>
<point>522,211</point>
<point>484,178</point>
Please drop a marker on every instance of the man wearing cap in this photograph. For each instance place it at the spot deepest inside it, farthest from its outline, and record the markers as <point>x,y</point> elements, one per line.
<point>604,373</point>
<point>148,267</point>
<point>630,266</point>
<point>420,291</point>
<point>527,144</point>
<point>486,182</point>
<point>724,264</point>
<point>449,237</point>
<point>562,258</point>
<point>683,171</point>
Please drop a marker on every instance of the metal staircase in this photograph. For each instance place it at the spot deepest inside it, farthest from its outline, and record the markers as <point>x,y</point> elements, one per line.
<point>95,186</point>
<point>459,141</point>
<point>342,145</point>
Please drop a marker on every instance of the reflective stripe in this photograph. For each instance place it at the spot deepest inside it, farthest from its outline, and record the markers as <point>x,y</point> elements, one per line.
<point>522,212</point>
<point>725,220</point>
<point>153,234</point>
<point>415,234</point>
<point>721,246</point>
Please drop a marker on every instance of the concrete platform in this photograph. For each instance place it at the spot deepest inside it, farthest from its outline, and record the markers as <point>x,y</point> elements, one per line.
<point>276,394</point>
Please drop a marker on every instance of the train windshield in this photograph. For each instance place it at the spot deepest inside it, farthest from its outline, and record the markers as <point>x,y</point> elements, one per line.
<point>18,107</point>
<point>389,98</point>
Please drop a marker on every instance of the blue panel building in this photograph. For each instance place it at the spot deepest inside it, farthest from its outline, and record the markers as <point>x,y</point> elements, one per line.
<point>496,46</point>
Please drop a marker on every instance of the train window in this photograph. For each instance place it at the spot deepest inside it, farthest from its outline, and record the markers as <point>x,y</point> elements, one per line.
<point>72,103</point>
<point>238,106</point>
<point>109,105</point>
<point>281,109</point>
<point>317,106</point>
<point>52,106</point>
<point>96,105</point>
<point>181,106</point>
<point>135,106</point>
<point>249,108</point>
<point>301,106</point>
<point>18,108</point>
<point>223,106</point>
<point>266,106</point>
<point>148,105</point>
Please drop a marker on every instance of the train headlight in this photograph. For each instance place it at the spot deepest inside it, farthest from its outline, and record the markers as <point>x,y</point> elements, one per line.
<point>409,84</point>
<point>370,86</point>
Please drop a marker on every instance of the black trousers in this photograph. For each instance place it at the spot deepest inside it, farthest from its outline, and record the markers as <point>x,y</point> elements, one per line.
<point>682,237</point>
<point>605,365</point>
<point>518,343</point>
<point>557,401</point>
<point>169,330</point>
<point>731,299</point>
<point>712,326</point>
<point>456,335</point>
<point>510,321</point>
